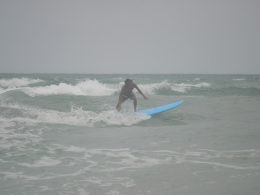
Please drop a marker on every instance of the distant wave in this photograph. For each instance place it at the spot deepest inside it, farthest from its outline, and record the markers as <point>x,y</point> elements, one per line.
<point>184,87</point>
<point>239,79</point>
<point>245,91</point>
<point>84,88</point>
<point>175,87</point>
<point>17,82</point>
<point>153,87</point>
<point>97,88</point>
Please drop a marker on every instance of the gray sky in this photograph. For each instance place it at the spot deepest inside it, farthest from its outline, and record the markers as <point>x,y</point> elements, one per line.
<point>130,36</point>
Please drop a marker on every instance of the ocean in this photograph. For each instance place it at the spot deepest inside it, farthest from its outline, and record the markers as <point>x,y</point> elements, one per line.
<point>61,135</point>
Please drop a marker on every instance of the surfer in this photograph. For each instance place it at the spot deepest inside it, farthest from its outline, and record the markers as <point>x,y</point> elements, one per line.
<point>127,93</point>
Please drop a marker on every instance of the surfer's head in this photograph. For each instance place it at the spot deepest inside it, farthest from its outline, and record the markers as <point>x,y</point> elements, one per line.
<point>128,81</point>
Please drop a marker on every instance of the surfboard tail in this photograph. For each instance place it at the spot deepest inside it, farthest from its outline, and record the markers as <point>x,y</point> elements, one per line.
<point>163,108</point>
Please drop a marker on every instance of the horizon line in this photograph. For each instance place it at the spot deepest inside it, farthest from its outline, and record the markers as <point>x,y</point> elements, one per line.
<point>130,73</point>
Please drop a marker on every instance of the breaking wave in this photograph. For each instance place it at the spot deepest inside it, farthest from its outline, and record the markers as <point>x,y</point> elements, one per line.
<point>97,88</point>
<point>84,88</point>
<point>154,87</point>
<point>76,116</point>
<point>91,87</point>
<point>175,87</point>
<point>17,82</point>
<point>184,87</point>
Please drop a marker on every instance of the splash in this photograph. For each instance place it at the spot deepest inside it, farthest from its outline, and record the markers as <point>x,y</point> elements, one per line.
<point>77,117</point>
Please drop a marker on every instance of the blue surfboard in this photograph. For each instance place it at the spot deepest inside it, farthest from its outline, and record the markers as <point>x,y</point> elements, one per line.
<point>160,109</point>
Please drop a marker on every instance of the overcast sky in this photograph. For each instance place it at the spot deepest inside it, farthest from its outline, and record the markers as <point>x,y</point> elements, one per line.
<point>130,36</point>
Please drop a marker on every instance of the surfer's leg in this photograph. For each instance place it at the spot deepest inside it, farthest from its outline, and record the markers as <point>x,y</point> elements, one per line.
<point>134,101</point>
<point>121,99</point>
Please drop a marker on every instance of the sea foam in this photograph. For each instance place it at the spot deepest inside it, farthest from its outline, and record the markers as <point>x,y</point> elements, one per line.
<point>78,117</point>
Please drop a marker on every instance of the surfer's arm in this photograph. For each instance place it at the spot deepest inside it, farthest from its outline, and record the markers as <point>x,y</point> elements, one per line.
<point>139,90</point>
<point>121,91</point>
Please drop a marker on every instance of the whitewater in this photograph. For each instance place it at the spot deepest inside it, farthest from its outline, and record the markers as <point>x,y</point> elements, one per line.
<point>61,134</point>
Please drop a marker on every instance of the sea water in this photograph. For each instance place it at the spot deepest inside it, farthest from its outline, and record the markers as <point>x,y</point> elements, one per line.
<point>60,134</point>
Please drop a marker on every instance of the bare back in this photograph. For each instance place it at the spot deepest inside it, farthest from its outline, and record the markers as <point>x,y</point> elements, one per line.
<point>127,89</point>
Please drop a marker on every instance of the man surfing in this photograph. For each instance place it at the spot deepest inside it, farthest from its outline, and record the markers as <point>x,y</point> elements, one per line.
<point>127,93</point>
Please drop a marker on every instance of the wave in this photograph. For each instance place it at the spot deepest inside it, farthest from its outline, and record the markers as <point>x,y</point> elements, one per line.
<point>18,82</point>
<point>241,91</point>
<point>96,88</point>
<point>184,87</point>
<point>76,117</point>
<point>175,87</point>
<point>154,87</point>
<point>84,88</point>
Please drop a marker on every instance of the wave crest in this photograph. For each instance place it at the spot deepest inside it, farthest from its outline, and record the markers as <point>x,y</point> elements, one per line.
<point>96,88</point>
<point>18,82</point>
<point>176,87</point>
<point>85,88</point>
<point>154,87</point>
<point>184,87</point>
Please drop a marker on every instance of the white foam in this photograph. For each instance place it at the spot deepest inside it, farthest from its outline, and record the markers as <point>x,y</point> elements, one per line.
<point>118,159</point>
<point>95,88</point>
<point>18,82</point>
<point>90,118</point>
<point>11,175</point>
<point>79,117</point>
<point>85,88</point>
<point>13,136</point>
<point>43,162</point>
<point>9,89</point>
<point>178,87</point>
<point>75,149</point>
<point>224,165</point>
<point>153,87</point>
